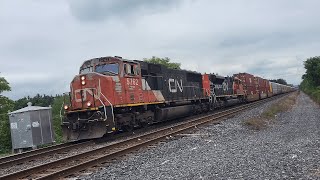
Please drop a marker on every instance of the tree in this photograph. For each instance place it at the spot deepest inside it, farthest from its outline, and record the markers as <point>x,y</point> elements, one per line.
<point>4,85</point>
<point>163,61</point>
<point>312,66</point>
<point>5,105</point>
<point>311,79</point>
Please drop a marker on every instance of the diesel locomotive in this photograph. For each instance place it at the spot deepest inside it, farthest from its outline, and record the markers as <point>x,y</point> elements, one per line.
<point>113,94</point>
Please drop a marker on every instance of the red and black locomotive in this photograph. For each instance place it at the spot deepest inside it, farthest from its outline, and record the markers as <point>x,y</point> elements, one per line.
<point>111,93</point>
<point>114,94</point>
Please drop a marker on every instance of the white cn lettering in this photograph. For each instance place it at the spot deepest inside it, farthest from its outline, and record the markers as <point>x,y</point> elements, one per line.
<point>94,93</point>
<point>174,85</point>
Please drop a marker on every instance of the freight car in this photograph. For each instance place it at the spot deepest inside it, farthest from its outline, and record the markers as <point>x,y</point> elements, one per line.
<point>250,86</point>
<point>112,94</point>
<point>280,88</point>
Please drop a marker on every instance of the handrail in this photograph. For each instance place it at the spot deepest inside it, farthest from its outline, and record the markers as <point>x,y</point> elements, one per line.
<point>61,112</point>
<point>110,106</point>
<point>64,101</point>
<point>105,106</point>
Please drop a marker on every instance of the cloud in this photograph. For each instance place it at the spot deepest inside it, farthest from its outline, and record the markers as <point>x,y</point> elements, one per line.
<point>99,10</point>
<point>43,43</point>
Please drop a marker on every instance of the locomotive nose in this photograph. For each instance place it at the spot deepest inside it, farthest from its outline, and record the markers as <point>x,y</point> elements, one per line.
<point>86,90</point>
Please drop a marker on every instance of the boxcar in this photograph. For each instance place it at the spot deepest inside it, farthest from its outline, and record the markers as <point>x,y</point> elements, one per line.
<point>249,85</point>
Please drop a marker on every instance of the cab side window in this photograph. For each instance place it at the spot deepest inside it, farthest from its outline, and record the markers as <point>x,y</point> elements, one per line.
<point>127,69</point>
<point>131,69</point>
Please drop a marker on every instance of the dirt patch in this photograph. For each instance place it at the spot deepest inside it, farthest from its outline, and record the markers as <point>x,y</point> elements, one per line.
<point>256,123</point>
<point>268,115</point>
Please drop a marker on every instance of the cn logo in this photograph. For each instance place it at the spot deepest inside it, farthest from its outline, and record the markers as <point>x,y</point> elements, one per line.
<point>174,85</point>
<point>84,93</point>
<point>225,86</point>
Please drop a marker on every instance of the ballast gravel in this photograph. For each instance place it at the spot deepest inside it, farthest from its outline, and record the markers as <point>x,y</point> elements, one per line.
<point>287,149</point>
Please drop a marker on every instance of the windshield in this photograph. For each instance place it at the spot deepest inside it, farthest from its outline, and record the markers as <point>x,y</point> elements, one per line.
<point>108,68</point>
<point>85,70</point>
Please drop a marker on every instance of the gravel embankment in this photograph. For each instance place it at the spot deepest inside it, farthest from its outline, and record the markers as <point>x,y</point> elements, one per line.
<point>289,148</point>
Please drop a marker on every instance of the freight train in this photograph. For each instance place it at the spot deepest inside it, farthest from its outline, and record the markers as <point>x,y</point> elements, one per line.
<point>113,94</point>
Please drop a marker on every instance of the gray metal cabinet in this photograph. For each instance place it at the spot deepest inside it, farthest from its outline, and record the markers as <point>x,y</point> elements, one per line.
<point>31,126</point>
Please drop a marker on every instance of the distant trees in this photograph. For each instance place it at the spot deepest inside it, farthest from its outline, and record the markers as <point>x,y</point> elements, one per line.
<point>280,81</point>
<point>163,61</point>
<point>38,100</point>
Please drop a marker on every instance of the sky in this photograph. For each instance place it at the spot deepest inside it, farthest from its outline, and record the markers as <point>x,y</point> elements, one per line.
<point>44,42</point>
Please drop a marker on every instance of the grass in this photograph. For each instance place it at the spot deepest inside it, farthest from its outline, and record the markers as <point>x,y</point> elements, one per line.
<point>4,154</point>
<point>266,117</point>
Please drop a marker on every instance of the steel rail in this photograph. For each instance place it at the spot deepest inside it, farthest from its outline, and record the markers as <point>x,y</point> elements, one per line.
<point>68,166</point>
<point>25,157</point>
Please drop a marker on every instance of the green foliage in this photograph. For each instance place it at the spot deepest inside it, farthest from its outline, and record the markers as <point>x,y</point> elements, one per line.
<point>38,100</point>
<point>312,65</point>
<point>280,81</point>
<point>163,61</point>
<point>56,107</point>
<point>4,85</point>
<point>5,105</point>
<point>311,79</point>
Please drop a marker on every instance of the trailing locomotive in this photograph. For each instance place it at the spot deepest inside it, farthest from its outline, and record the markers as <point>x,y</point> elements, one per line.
<point>224,91</point>
<point>114,94</point>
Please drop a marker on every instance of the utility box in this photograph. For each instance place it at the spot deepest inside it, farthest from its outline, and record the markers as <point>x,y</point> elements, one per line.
<point>30,127</point>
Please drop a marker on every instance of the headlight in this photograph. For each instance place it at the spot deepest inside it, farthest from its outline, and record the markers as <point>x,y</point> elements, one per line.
<point>83,78</point>
<point>83,82</point>
<point>66,107</point>
<point>89,104</point>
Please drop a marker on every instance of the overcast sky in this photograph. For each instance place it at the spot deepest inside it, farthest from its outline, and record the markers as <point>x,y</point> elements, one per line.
<point>43,42</point>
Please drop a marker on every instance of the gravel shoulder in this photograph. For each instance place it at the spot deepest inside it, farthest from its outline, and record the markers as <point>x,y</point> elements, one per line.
<point>288,148</point>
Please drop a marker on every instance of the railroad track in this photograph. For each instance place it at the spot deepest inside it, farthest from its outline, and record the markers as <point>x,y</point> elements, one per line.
<point>82,163</point>
<point>19,159</point>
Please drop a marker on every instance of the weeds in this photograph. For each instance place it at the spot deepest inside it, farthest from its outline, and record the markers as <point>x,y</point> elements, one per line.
<point>269,114</point>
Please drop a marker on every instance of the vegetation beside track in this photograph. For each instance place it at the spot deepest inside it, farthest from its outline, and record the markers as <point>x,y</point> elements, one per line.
<point>267,116</point>
<point>311,79</point>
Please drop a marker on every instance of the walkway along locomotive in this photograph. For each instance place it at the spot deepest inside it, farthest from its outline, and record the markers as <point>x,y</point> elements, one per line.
<point>112,94</point>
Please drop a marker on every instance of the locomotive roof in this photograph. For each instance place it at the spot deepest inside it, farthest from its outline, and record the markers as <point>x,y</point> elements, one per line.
<point>93,61</point>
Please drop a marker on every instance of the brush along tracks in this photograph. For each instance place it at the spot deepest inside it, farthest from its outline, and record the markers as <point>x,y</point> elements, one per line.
<point>79,164</point>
